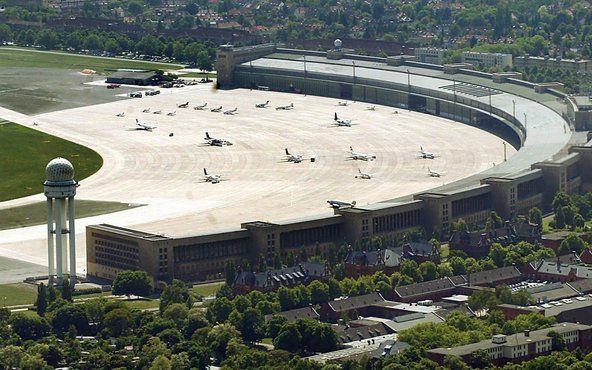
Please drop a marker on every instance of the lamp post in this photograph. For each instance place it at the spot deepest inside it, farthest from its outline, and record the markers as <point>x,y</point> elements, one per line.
<point>514,108</point>
<point>408,89</point>
<point>525,121</point>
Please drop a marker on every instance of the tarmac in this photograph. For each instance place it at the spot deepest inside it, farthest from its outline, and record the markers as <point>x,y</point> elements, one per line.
<point>163,169</point>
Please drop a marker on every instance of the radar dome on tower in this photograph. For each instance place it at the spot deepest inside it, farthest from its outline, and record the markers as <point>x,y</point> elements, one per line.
<point>337,43</point>
<point>59,169</point>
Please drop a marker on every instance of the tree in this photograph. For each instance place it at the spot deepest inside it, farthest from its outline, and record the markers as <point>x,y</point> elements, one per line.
<point>220,309</point>
<point>252,325</point>
<point>67,290</point>
<point>67,315</point>
<point>428,270</point>
<point>535,216</point>
<point>230,273</point>
<point>176,292</point>
<point>47,39</point>
<point>5,33</point>
<point>460,225</point>
<point>289,338</point>
<point>135,7</point>
<point>204,62</point>
<point>41,302</point>
<point>132,283</point>
<point>161,363</point>
<point>117,321</point>
<point>572,243</point>
<point>275,324</point>
<point>319,292</point>
<point>480,359</point>
<point>10,356</point>
<point>177,312</point>
<point>557,341</point>
<point>29,327</point>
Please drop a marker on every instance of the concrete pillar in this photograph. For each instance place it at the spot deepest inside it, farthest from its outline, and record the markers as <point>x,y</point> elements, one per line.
<point>72,243</point>
<point>64,236</point>
<point>58,239</point>
<point>50,236</point>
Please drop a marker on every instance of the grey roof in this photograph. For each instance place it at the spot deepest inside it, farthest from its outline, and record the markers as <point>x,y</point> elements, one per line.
<point>390,347</point>
<point>493,276</point>
<point>387,258</point>
<point>424,287</point>
<point>563,269</point>
<point>298,313</point>
<point>136,75</point>
<point>550,292</point>
<point>351,334</point>
<point>301,273</point>
<point>582,286</point>
<point>351,303</point>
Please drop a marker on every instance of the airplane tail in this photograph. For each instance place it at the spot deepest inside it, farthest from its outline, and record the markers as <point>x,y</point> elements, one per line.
<point>287,153</point>
<point>335,119</point>
<point>360,171</point>
<point>353,203</point>
<point>267,102</point>
<point>421,148</point>
<point>350,148</point>
<point>292,104</point>
<point>137,121</point>
<point>205,172</point>
<point>207,135</point>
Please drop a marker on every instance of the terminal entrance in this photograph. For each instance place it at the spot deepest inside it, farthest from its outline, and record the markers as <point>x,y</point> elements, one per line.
<point>345,91</point>
<point>417,103</point>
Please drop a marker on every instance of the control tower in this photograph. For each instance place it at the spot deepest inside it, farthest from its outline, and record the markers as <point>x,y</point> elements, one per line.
<point>60,189</point>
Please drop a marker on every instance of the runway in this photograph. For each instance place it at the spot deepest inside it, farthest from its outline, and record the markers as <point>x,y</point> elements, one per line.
<point>166,172</point>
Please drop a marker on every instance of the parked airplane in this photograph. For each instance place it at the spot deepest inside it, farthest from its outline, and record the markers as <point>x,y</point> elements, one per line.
<point>342,122</point>
<point>216,110</point>
<point>144,126</point>
<point>262,105</point>
<point>285,107</point>
<point>426,155</point>
<point>201,107</point>
<point>146,110</point>
<point>216,141</point>
<point>342,104</point>
<point>372,107</point>
<point>184,105</point>
<point>172,113</point>
<point>296,158</point>
<point>231,112</point>
<point>340,203</point>
<point>363,175</point>
<point>122,114</point>
<point>360,156</point>
<point>213,178</point>
<point>433,173</point>
<point>157,111</point>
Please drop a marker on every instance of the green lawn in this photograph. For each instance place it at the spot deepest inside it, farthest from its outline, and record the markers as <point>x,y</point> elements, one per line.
<point>35,214</point>
<point>197,75</point>
<point>143,304</point>
<point>25,152</point>
<point>17,294</point>
<point>206,290</point>
<point>10,57</point>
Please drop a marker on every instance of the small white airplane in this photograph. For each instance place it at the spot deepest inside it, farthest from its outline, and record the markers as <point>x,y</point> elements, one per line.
<point>213,178</point>
<point>340,203</point>
<point>201,107</point>
<point>372,107</point>
<point>184,105</point>
<point>144,126</point>
<point>35,123</point>
<point>157,111</point>
<point>262,105</point>
<point>230,112</point>
<point>342,122</point>
<point>363,175</point>
<point>360,156</point>
<point>342,103</point>
<point>296,158</point>
<point>216,110</point>
<point>172,113</point>
<point>146,110</point>
<point>426,155</point>
<point>433,173</point>
<point>285,107</point>
<point>122,114</point>
<point>216,141</point>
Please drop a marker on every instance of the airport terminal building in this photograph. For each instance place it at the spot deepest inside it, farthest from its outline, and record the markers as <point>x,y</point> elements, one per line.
<point>535,121</point>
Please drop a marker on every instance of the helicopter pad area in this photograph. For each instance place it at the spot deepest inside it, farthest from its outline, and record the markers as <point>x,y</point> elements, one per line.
<point>163,168</point>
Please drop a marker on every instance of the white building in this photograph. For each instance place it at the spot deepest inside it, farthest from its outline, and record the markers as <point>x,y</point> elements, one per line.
<point>487,60</point>
<point>430,55</point>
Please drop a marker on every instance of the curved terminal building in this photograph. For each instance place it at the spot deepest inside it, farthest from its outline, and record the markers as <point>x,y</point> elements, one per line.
<point>539,120</point>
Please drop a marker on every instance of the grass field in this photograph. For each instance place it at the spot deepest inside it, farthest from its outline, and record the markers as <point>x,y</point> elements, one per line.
<point>25,152</point>
<point>34,214</point>
<point>10,57</point>
<point>207,290</point>
<point>17,294</point>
